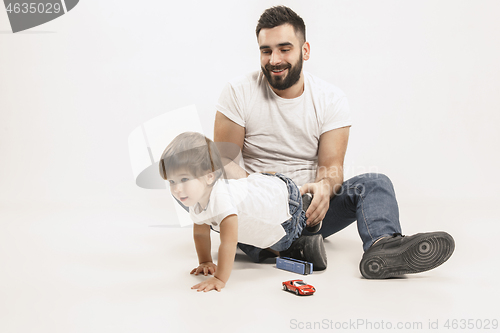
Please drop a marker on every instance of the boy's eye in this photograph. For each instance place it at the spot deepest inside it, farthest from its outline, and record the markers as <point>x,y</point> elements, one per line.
<point>184,180</point>
<point>171,182</point>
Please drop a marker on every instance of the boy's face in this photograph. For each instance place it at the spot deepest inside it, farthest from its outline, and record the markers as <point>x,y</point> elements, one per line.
<point>188,189</point>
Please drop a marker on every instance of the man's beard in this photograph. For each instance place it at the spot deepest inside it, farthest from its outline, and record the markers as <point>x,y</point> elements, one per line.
<point>277,82</point>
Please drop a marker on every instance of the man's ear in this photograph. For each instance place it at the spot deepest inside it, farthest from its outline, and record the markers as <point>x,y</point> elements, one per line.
<point>306,51</point>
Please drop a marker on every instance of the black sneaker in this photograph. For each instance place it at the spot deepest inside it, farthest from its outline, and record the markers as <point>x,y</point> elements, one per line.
<point>308,248</point>
<point>306,201</point>
<point>397,255</point>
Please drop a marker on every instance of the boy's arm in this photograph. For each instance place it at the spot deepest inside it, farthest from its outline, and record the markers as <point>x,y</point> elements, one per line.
<point>201,236</point>
<point>227,251</point>
<point>227,248</point>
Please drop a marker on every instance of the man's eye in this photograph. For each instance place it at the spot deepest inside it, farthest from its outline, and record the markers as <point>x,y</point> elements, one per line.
<point>285,50</point>
<point>266,52</point>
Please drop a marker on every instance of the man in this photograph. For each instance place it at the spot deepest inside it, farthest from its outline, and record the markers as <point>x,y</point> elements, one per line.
<point>289,121</point>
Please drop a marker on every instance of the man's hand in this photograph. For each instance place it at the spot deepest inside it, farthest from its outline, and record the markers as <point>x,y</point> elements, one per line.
<point>205,268</point>
<point>320,203</point>
<point>210,284</point>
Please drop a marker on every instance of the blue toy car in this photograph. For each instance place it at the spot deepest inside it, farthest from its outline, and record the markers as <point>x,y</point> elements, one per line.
<point>294,265</point>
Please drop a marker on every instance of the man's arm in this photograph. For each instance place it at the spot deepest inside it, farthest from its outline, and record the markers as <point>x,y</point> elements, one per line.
<point>329,175</point>
<point>226,130</point>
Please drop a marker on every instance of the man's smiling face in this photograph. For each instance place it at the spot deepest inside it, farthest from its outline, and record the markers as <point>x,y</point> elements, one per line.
<point>281,56</point>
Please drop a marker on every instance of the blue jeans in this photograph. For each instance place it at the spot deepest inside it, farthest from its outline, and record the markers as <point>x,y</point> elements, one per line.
<point>293,226</point>
<point>368,199</point>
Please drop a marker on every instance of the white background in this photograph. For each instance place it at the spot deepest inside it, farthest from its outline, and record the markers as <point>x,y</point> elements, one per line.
<point>422,79</point>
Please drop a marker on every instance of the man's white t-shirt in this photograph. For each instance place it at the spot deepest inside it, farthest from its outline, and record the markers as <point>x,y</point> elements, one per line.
<point>282,135</point>
<point>259,201</point>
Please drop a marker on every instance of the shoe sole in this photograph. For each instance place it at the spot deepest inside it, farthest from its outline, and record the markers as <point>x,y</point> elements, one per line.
<point>419,255</point>
<point>320,249</point>
<point>317,249</point>
<point>312,250</point>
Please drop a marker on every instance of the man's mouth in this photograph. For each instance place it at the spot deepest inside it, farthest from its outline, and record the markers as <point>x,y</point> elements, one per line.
<point>278,71</point>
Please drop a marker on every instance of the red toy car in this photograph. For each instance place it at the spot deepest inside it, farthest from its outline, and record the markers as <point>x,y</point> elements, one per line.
<point>298,287</point>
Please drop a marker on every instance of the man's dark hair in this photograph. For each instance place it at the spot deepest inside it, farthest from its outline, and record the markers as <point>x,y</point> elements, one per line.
<point>279,15</point>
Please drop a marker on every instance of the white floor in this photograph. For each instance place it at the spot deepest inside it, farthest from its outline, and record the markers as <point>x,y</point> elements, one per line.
<point>113,270</point>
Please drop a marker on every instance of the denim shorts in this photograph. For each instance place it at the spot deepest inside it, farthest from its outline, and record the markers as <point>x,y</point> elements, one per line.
<point>293,226</point>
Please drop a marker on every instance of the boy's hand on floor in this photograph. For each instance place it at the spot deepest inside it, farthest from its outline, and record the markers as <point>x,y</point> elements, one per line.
<point>212,283</point>
<point>205,268</point>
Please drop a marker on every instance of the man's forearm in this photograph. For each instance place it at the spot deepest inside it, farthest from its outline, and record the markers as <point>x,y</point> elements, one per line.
<point>333,176</point>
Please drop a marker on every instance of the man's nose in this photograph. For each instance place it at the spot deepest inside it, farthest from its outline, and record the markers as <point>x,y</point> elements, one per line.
<point>275,59</point>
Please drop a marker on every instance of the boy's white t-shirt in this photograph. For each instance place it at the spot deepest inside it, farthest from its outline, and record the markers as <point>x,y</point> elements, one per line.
<point>282,135</point>
<point>259,201</point>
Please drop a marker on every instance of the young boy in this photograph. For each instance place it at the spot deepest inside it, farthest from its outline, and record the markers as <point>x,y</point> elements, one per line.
<point>262,210</point>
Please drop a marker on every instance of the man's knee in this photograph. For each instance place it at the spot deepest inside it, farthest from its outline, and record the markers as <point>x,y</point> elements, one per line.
<point>376,177</point>
<point>372,180</point>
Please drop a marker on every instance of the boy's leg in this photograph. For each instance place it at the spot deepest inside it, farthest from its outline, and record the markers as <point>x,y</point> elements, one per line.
<point>292,245</point>
<point>256,253</point>
<point>295,207</point>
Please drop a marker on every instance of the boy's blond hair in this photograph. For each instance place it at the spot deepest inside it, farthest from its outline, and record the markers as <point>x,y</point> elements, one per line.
<point>194,153</point>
